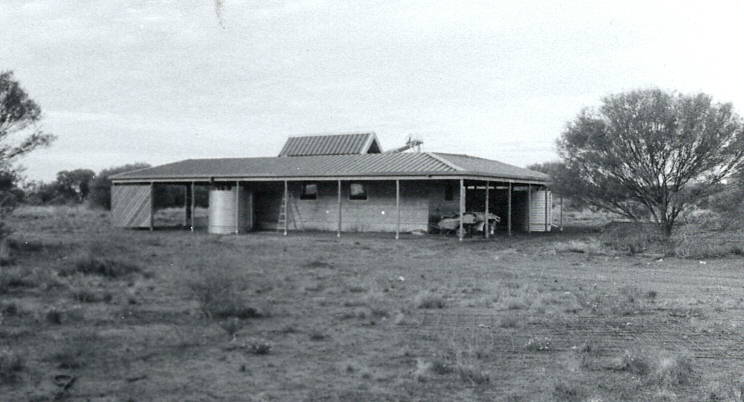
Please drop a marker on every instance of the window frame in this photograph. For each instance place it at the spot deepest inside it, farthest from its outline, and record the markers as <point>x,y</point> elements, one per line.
<point>364,189</point>
<point>449,192</point>
<point>305,196</point>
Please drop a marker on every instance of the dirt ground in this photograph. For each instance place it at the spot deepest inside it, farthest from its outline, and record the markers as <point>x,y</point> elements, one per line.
<point>360,318</point>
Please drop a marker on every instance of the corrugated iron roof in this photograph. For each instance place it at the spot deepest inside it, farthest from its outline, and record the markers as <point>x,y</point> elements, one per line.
<point>335,144</point>
<point>366,165</point>
<point>491,167</point>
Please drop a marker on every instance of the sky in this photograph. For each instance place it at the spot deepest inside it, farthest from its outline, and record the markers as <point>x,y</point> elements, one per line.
<point>156,81</point>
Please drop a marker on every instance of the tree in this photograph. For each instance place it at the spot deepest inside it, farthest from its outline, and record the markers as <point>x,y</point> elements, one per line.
<point>19,116</point>
<point>100,185</point>
<point>18,113</point>
<point>75,184</point>
<point>649,153</point>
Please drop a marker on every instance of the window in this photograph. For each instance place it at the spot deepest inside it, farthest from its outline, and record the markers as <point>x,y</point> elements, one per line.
<point>357,191</point>
<point>309,191</point>
<point>449,192</point>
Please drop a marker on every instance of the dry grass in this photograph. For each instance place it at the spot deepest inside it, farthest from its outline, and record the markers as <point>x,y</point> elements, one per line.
<point>470,321</point>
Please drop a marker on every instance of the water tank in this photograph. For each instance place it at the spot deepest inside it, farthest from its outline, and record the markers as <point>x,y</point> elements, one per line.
<point>538,212</point>
<point>222,210</point>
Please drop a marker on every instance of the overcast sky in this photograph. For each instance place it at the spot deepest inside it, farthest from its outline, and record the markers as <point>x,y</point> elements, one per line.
<point>159,81</point>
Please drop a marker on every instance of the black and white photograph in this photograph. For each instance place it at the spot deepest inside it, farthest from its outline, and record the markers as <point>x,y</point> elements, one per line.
<point>403,200</point>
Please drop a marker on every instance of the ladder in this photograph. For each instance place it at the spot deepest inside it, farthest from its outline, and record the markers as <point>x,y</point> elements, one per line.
<point>295,220</point>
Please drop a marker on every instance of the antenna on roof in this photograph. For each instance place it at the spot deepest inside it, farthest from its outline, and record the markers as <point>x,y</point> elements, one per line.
<point>412,142</point>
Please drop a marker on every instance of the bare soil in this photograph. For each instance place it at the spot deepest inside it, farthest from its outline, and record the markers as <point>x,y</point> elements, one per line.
<point>363,317</point>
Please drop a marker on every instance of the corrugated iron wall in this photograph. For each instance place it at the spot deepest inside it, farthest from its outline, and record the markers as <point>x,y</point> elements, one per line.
<point>130,205</point>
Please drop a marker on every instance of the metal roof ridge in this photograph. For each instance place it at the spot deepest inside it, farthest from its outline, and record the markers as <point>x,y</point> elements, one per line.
<point>445,161</point>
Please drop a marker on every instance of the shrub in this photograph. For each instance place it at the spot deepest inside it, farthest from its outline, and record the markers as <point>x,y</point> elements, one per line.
<point>231,325</point>
<point>84,295</point>
<point>219,297</point>
<point>11,364</point>
<point>563,391</point>
<point>539,344</point>
<point>53,316</point>
<point>674,370</point>
<point>12,278</point>
<point>659,367</point>
<point>429,300</point>
<point>632,238</point>
<point>695,244</point>
<point>588,246</point>
<point>470,373</point>
<point>9,309</point>
<point>88,264</point>
<point>510,321</point>
<point>76,351</point>
<point>6,252</point>
<point>260,347</point>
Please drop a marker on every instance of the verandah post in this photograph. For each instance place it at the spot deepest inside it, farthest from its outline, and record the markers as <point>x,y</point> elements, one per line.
<point>460,232</point>
<point>529,207</point>
<point>546,209</point>
<point>397,208</point>
<point>237,207</point>
<point>509,211</point>
<point>193,204</point>
<point>152,206</point>
<point>286,204</point>
<point>561,213</point>
<point>487,227</point>
<point>338,230</point>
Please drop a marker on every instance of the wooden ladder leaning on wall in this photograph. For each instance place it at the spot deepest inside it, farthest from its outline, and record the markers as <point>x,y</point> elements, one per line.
<point>295,222</point>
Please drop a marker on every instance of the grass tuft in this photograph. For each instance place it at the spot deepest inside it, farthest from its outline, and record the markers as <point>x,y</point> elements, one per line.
<point>428,300</point>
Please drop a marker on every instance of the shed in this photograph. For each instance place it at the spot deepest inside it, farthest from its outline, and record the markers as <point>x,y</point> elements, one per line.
<point>341,183</point>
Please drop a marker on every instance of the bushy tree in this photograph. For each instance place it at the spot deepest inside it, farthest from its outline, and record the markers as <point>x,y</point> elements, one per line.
<point>100,185</point>
<point>75,184</point>
<point>19,135</point>
<point>649,153</point>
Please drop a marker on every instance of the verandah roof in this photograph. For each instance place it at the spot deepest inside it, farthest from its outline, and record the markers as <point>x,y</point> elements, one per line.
<point>423,164</point>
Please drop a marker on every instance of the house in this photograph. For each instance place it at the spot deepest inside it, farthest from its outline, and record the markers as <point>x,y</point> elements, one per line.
<point>342,183</point>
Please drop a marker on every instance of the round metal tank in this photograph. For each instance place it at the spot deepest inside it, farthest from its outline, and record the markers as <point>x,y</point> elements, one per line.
<point>537,211</point>
<point>222,210</point>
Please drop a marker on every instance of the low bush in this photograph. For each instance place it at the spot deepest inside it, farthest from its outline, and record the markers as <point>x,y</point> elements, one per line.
<point>13,278</point>
<point>231,326</point>
<point>539,344</point>
<point>88,264</point>
<point>219,296</point>
<point>633,238</point>
<point>84,295</point>
<point>76,351</point>
<point>11,364</point>
<point>428,300</point>
<point>690,242</point>
<point>6,253</point>
<point>660,368</point>
<point>588,246</point>
<point>565,391</point>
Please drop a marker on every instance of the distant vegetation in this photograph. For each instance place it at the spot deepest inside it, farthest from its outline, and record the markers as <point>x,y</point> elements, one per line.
<point>19,116</point>
<point>649,155</point>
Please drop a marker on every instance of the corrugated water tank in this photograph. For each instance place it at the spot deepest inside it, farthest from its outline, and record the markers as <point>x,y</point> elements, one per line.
<point>227,213</point>
<point>538,211</point>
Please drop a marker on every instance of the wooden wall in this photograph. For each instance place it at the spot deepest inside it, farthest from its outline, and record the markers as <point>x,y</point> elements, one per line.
<point>130,205</point>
